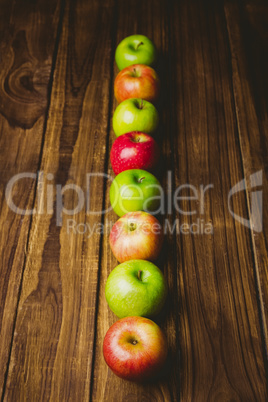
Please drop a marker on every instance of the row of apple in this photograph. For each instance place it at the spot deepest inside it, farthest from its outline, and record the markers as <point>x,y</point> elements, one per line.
<point>135,347</point>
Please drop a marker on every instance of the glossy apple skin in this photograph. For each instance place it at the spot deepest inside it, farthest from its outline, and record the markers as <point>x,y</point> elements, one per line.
<point>135,190</point>
<point>136,287</point>
<point>135,49</point>
<point>134,150</point>
<point>135,348</point>
<point>135,114</point>
<point>137,81</point>
<point>136,235</point>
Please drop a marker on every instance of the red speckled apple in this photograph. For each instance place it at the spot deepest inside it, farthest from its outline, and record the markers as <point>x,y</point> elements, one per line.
<point>137,81</point>
<point>134,150</point>
<point>135,348</point>
<point>136,235</point>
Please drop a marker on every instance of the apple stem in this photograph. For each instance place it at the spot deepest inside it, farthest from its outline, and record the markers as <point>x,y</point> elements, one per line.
<point>139,103</point>
<point>132,226</point>
<point>141,43</point>
<point>140,180</point>
<point>139,275</point>
<point>134,342</point>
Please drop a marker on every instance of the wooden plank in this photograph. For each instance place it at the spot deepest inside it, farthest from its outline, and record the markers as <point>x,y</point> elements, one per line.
<point>247,28</point>
<point>53,342</point>
<point>25,69</point>
<point>220,334</point>
<point>151,19</point>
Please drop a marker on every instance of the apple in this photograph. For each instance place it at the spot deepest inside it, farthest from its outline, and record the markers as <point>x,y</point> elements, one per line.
<point>135,49</point>
<point>135,114</point>
<point>135,348</point>
<point>136,287</point>
<point>137,81</point>
<point>135,190</point>
<point>136,235</point>
<point>134,150</point>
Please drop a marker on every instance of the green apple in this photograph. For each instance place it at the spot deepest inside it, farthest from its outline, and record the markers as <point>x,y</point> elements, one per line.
<point>135,49</point>
<point>136,287</point>
<point>135,190</point>
<point>135,115</point>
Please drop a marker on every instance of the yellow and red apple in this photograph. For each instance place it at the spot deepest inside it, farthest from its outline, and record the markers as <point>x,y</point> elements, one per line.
<point>135,348</point>
<point>136,235</point>
<point>137,81</point>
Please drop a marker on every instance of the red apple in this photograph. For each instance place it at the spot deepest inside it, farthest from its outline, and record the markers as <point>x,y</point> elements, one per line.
<point>136,236</point>
<point>137,81</point>
<point>135,348</point>
<point>134,150</point>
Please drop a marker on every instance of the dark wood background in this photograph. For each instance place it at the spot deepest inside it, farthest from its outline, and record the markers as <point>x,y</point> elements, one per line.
<point>56,102</point>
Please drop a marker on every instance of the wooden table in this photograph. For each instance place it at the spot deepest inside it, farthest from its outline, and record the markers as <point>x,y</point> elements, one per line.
<point>56,105</point>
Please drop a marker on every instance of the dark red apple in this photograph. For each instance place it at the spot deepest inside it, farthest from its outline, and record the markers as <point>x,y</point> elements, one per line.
<point>134,150</point>
<point>135,348</point>
<point>137,81</point>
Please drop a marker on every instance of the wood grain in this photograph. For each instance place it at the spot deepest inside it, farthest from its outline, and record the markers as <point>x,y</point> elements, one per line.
<point>220,334</point>
<point>25,68</point>
<point>53,341</point>
<point>220,355</point>
<point>56,117</point>
<point>248,41</point>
